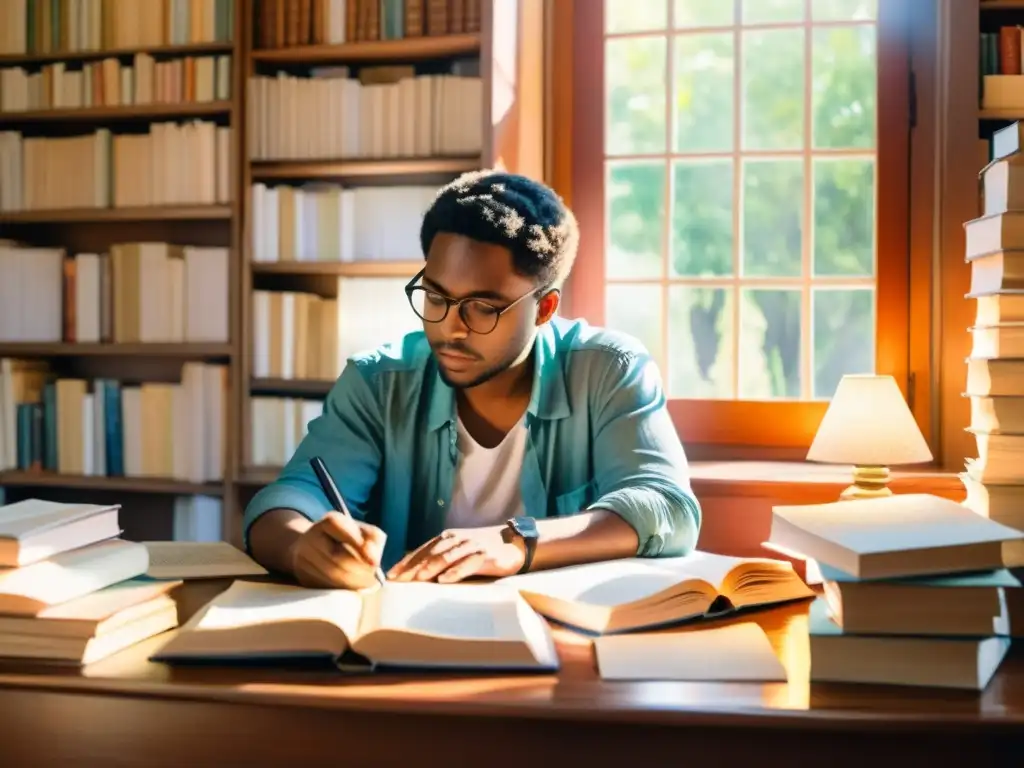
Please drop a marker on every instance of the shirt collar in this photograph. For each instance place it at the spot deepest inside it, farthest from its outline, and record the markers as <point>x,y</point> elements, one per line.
<point>549,398</point>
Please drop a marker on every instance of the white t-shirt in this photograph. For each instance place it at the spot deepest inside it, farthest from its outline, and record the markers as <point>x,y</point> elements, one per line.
<point>486,488</point>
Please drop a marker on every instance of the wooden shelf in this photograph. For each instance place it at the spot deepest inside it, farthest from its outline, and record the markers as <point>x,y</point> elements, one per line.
<point>1003,5</point>
<point>353,169</point>
<point>1001,114</point>
<point>257,476</point>
<point>92,482</point>
<point>290,386</point>
<point>118,113</point>
<point>145,213</point>
<point>339,268</point>
<point>193,49</point>
<point>408,49</point>
<point>59,349</point>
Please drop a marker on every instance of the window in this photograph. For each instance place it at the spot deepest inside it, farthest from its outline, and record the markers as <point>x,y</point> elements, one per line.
<point>739,172</point>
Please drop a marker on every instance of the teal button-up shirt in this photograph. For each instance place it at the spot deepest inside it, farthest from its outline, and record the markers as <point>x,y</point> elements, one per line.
<point>600,437</point>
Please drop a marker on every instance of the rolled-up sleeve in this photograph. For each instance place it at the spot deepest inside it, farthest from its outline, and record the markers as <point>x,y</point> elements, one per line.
<point>348,436</point>
<point>640,466</point>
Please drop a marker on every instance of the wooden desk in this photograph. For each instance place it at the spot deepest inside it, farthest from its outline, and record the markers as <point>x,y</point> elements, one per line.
<point>126,711</point>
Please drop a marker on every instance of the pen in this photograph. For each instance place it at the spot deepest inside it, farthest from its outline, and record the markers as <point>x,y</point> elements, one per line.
<point>334,497</point>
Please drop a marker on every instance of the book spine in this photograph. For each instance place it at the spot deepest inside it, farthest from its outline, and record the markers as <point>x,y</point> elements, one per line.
<point>113,428</point>
<point>24,436</point>
<point>50,427</point>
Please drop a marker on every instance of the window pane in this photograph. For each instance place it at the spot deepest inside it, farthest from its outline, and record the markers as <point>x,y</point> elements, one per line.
<point>772,11</point>
<point>636,219</point>
<point>704,92</point>
<point>636,90</point>
<point>844,335</point>
<point>633,16</point>
<point>630,15</point>
<point>636,310</point>
<point>769,356</point>
<point>702,228</point>
<point>773,206</point>
<point>701,336</point>
<point>773,89</point>
<point>703,13</point>
<point>844,10</point>
<point>844,216</point>
<point>844,85</point>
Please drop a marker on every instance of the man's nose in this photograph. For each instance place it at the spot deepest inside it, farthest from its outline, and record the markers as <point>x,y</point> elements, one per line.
<point>453,326</point>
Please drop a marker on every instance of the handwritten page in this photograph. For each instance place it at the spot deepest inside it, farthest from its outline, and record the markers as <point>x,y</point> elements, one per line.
<point>737,652</point>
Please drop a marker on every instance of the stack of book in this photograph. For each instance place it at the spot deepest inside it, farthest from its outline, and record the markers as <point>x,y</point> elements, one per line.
<point>995,369</point>
<point>915,592</point>
<point>71,591</point>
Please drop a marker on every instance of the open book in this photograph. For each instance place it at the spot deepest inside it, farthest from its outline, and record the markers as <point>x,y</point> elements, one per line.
<point>641,593</point>
<point>408,624</point>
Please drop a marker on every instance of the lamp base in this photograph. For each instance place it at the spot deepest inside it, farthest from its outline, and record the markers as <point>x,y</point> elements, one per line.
<point>869,482</point>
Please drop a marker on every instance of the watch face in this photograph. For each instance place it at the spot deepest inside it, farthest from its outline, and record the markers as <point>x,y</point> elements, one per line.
<point>526,526</point>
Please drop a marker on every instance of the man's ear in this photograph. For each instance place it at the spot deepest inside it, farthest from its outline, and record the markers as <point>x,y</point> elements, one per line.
<point>548,305</point>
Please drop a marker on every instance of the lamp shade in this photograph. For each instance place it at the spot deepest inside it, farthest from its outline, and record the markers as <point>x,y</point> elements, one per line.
<point>869,423</point>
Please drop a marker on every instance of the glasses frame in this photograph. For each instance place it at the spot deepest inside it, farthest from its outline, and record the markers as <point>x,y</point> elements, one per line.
<point>450,302</point>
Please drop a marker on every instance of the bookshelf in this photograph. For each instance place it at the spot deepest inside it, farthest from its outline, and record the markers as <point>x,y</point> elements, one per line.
<point>504,49</point>
<point>119,76</point>
<point>506,54</point>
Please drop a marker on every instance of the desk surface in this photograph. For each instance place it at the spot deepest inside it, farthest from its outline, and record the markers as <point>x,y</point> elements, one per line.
<point>614,719</point>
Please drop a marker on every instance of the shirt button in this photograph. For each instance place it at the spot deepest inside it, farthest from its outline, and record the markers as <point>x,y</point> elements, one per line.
<point>440,502</point>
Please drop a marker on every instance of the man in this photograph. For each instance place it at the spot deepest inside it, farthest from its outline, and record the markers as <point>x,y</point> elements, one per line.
<point>497,440</point>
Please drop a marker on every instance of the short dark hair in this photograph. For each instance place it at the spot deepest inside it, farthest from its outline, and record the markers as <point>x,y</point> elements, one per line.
<point>513,211</point>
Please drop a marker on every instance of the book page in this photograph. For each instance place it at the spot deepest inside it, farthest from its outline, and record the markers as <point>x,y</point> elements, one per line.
<point>198,560</point>
<point>249,603</point>
<point>737,652</point>
<point>618,582</point>
<point>463,611</point>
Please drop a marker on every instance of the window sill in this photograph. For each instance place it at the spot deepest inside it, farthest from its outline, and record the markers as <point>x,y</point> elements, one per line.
<point>805,482</point>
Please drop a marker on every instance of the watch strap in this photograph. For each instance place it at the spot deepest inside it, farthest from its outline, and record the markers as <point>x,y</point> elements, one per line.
<point>525,529</point>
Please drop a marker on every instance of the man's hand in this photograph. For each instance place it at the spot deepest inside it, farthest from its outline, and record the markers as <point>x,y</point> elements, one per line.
<point>459,553</point>
<point>338,552</point>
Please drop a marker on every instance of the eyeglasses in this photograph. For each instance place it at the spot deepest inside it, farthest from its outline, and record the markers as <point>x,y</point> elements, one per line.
<point>479,316</point>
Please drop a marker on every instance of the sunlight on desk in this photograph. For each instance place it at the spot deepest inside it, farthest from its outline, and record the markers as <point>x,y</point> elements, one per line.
<point>437,691</point>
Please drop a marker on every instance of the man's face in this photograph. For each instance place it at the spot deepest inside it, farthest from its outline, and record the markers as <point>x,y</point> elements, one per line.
<point>459,268</point>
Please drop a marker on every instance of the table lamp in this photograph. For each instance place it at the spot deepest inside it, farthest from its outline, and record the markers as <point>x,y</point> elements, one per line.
<point>868,424</point>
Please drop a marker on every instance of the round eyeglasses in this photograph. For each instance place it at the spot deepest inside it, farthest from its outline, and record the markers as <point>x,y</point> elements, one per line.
<point>481,317</point>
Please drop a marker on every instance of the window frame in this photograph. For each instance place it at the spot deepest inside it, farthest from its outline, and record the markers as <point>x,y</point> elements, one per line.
<point>717,429</point>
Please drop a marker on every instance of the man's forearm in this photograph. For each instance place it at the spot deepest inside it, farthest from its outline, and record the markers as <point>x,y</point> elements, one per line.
<point>583,538</point>
<point>273,536</point>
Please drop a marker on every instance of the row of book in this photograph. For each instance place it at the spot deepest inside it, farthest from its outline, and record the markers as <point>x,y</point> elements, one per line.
<point>74,591</point>
<point>387,112</point>
<point>994,479</point>
<point>281,24</point>
<point>109,83</point>
<point>328,222</point>
<point>1000,57</point>
<point>69,26</point>
<point>916,590</point>
<point>171,164</point>
<point>135,292</point>
<point>110,428</point>
<point>277,426</point>
<point>303,336</point>
<point>915,593</point>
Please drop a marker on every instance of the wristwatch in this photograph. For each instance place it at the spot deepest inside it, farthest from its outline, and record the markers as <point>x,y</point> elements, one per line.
<point>524,527</point>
